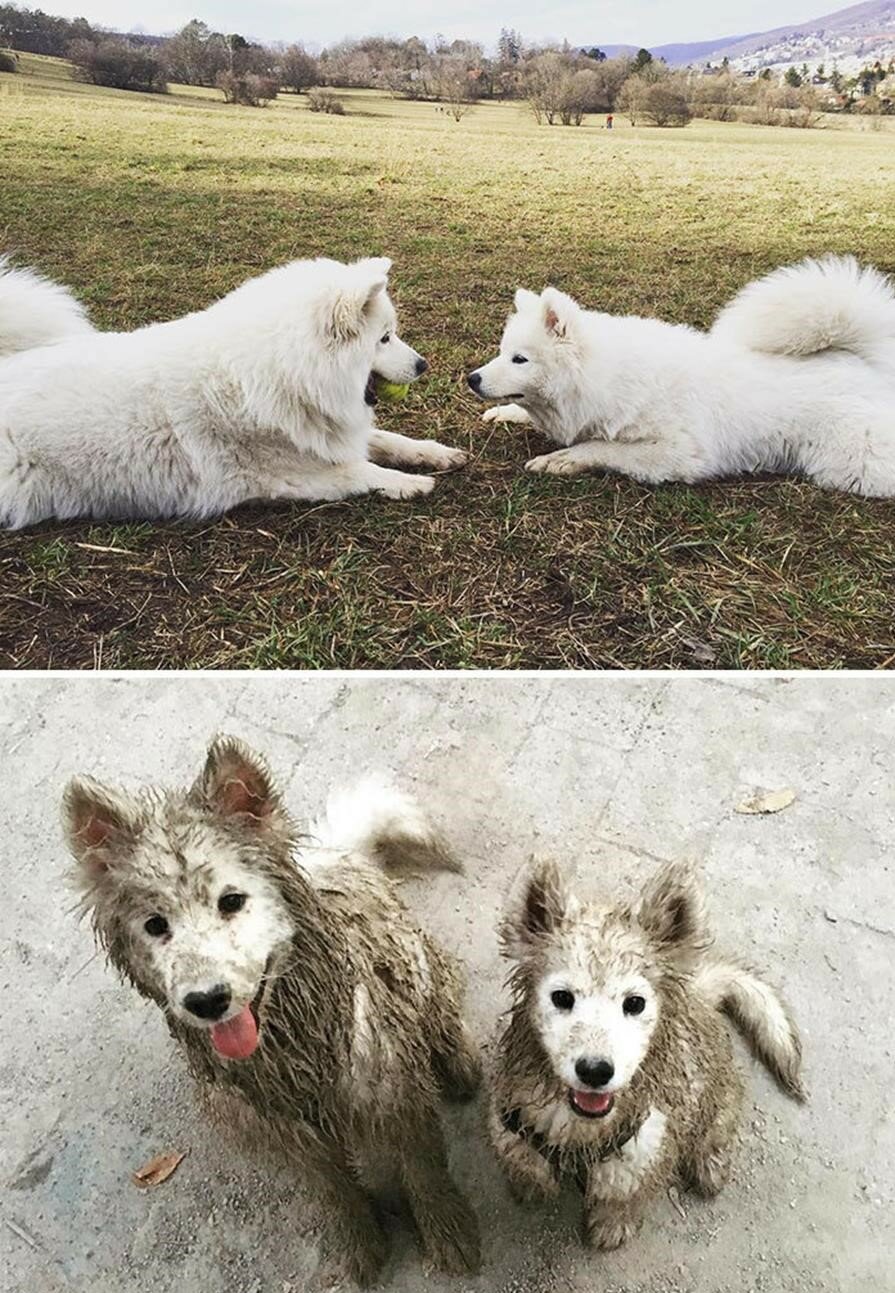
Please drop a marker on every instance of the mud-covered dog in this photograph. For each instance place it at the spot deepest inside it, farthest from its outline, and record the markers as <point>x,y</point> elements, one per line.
<point>616,1068</point>
<point>314,1014</point>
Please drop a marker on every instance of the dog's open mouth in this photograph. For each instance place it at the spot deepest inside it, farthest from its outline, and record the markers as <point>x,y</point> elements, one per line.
<point>370,396</point>
<point>238,1038</point>
<point>591,1104</point>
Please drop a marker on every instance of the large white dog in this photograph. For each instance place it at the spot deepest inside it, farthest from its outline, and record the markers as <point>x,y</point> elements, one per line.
<point>797,375</point>
<point>265,395</point>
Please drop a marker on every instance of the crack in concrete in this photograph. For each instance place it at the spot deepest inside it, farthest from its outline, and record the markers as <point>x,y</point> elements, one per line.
<point>864,924</point>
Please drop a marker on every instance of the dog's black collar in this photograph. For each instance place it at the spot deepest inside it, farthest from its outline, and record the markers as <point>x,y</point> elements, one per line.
<point>575,1161</point>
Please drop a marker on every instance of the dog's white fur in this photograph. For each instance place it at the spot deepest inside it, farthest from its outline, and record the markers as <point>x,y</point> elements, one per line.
<point>798,374</point>
<point>35,312</point>
<point>261,396</point>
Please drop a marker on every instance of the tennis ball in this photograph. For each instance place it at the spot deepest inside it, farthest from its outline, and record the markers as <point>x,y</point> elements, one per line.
<point>391,392</point>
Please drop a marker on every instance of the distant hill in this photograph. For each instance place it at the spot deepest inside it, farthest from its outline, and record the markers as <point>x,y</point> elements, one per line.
<point>856,35</point>
<point>677,55</point>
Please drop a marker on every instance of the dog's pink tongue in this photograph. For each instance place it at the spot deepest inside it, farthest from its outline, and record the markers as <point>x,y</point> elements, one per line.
<point>592,1101</point>
<point>237,1038</point>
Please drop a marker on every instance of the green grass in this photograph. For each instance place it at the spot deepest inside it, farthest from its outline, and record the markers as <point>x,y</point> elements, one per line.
<point>152,206</point>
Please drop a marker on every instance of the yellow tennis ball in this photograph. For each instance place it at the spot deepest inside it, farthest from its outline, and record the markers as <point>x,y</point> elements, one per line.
<point>391,392</point>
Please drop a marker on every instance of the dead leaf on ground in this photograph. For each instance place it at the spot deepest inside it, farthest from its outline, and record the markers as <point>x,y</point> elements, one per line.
<point>765,802</point>
<point>158,1169</point>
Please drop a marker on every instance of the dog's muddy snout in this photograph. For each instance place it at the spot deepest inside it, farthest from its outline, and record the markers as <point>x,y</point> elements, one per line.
<point>475,381</point>
<point>421,366</point>
<point>595,1073</point>
<point>208,1005</point>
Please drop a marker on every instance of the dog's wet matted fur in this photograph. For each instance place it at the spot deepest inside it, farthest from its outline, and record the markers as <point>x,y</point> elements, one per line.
<point>315,1015</point>
<point>616,1068</point>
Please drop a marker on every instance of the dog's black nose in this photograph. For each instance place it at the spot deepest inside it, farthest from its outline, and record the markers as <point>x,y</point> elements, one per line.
<point>421,366</point>
<point>208,1005</point>
<point>475,381</point>
<point>595,1073</point>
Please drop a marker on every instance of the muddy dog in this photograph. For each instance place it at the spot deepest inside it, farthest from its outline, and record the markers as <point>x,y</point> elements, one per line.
<point>314,1014</point>
<point>616,1068</point>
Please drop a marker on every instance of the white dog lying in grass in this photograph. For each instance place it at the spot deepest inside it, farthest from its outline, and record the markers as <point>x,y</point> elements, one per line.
<point>797,375</point>
<point>265,395</point>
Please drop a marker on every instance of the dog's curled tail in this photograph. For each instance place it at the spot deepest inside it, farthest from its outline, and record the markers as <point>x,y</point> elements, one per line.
<point>816,306</point>
<point>382,823</point>
<point>35,311</point>
<point>759,1015</point>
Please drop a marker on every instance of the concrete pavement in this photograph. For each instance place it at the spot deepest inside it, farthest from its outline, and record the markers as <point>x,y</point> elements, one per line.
<point>609,775</point>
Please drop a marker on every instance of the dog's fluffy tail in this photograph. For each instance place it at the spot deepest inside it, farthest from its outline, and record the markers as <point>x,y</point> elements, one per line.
<point>759,1015</point>
<point>813,307</point>
<point>383,824</point>
<point>35,311</point>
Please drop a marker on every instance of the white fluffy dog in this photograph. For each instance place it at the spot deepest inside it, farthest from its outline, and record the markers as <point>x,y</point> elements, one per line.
<point>265,395</point>
<point>797,375</point>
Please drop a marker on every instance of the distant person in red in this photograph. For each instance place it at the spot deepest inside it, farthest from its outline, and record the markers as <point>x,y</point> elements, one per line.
<point>609,120</point>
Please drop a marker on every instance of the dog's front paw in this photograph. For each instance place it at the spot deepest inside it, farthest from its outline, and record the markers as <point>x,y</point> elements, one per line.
<point>710,1173</point>
<point>506,413</point>
<point>364,1260</point>
<point>452,1240</point>
<point>554,464</point>
<point>607,1233</point>
<point>442,458</point>
<point>528,1190</point>
<point>401,485</point>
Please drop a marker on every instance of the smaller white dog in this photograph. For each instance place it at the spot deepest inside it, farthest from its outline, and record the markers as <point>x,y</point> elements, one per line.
<point>265,395</point>
<point>616,1069</point>
<point>797,375</point>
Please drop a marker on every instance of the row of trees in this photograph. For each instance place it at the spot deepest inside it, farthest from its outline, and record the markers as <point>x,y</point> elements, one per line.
<point>561,84</point>
<point>245,72</point>
<point>36,32</point>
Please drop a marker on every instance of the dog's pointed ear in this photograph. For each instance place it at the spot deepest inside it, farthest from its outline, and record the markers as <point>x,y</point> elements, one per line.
<point>376,268</point>
<point>560,312</point>
<point>672,912</point>
<point>374,274</point>
<point>236,784</point>
<point>354,302</point>
<point>101,826</point>
<point>525,300</point>
<point>542,909</point>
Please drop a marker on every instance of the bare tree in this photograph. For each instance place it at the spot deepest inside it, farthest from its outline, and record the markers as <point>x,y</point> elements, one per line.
<point>632,98</point>
<point>545,77</point>
<point>716,97</point>
<point>196,54</point>
<point>298,70</point>
<point>456,84</point>
<point>666,105</point>
<point>808,112</point>
<point>119,65</point>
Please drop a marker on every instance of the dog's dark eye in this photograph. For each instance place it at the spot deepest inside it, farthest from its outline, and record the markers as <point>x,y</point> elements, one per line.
<point>228,903</point>
<point>633,1005</point>
<point>156,926</point>
<point>386,339</point>
<point>562,999</point>
<point>519,359</point>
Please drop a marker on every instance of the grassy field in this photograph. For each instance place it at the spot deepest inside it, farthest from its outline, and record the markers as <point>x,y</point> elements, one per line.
<point>152,206</point>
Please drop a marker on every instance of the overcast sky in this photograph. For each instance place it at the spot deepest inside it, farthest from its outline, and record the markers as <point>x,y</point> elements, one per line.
<point>646,22</point>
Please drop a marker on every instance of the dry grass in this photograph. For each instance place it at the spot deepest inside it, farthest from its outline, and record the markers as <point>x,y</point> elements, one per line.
<point>150,207</point>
